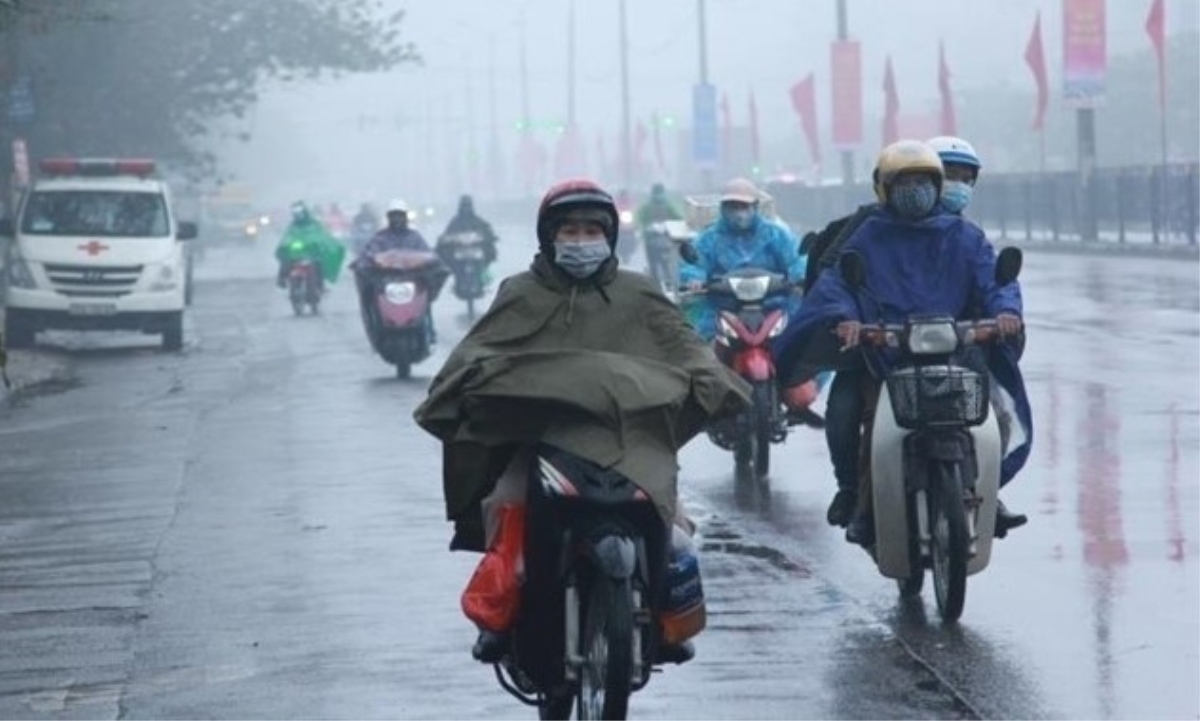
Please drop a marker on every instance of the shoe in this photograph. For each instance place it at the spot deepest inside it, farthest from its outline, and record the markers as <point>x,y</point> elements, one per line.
<point>861,531</point>
<point>676,653</point>
<point>490,647</point>
<point>1006,520</point>
<point>805,417</point>
<point>841,510</point>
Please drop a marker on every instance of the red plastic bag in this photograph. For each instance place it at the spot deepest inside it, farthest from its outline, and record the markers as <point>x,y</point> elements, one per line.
<point>493,595</point>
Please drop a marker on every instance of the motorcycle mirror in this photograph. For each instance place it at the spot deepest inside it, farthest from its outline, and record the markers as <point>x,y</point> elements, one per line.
<point>687,251</point>
<point>1008,265</point>
<point>854,269</point>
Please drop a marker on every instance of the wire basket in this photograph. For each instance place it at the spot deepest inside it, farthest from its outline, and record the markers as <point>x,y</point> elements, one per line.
<point>938,396</point>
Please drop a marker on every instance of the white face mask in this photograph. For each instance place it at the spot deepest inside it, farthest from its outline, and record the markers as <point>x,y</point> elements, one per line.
<point>582,258</point>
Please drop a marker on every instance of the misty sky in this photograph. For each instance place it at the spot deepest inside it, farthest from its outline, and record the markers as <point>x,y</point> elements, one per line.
<point>766,45</point>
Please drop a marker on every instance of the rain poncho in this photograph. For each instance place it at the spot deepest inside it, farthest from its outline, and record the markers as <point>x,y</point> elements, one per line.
<point>940,265</point>
<point>606,369</point>
<point>309,239</point>
<point>723,248</point>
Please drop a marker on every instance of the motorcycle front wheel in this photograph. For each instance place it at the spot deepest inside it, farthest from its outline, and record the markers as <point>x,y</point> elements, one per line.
<point>948,522</point>
<point>764,411</point>
<point>606,676</point>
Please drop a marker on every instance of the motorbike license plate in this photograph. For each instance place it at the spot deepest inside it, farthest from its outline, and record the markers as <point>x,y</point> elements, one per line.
<point>469,254</point>
<point>92,309</point>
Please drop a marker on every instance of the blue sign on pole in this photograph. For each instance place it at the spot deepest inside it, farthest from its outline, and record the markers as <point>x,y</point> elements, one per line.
<point>705,146</point>
<point>20,100</point>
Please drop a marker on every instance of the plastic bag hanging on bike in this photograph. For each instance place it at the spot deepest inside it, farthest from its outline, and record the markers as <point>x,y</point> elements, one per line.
<point>493,595</point>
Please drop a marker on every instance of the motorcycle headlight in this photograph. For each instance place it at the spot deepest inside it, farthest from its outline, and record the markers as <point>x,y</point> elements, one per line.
<point>932,338</point>
<point>779,326</point>
<point>626,217</point>
<point>19,275</point>
<point>400,292</point>
<point>750,290</point>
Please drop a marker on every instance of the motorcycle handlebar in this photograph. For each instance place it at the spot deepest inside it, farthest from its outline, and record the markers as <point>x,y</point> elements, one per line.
<point>889,335</point>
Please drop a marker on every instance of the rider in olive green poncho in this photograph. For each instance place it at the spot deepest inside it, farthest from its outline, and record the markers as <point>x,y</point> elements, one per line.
<point>307,238</point>
<point>607,366</point>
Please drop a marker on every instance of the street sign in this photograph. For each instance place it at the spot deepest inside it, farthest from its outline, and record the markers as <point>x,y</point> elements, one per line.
<point>705,145</point>
<point>21,108</point>
<point>20,162</point>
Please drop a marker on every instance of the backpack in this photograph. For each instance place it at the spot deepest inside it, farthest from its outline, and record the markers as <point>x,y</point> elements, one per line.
<point>822,248</point>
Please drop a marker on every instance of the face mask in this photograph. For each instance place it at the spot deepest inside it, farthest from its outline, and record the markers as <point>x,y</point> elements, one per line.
<point>581,258</point>
<point>741,219</point>
<point>914,201</point>
<point>956,195</point>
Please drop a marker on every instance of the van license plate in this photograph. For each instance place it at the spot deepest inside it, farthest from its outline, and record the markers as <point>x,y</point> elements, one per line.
<point>93,309</point>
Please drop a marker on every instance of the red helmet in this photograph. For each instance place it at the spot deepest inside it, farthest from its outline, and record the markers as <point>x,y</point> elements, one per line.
<point>579,194</point>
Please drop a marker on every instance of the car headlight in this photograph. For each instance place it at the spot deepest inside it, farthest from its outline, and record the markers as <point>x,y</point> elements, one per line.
<point>400,293</point>
<point>19,275</point>
<point>164,279</point>
<point>932,338</point>
<point>251,229</point>
<point>779,326</point>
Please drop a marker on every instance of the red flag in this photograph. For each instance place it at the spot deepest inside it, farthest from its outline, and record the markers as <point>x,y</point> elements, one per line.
<point>659,157</point>
<point>570,157</point>
<point>1156,29</point>
<point>891,105</point>
<point>726,129</point>
<point>804,100</point>
<point>1035,58</point>
<point>949,126</point>
<point>754,148</point>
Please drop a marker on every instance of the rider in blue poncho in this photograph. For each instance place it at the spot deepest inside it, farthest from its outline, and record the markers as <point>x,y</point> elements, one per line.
<point>742,238</point>
<point>918,261</point>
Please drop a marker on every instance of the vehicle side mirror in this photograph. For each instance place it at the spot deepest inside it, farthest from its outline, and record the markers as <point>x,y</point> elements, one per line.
<point>854,269</point>
<point>687,251</point>
<point>7,230</point>
<point>1008,265</point>
<point>186,230</point>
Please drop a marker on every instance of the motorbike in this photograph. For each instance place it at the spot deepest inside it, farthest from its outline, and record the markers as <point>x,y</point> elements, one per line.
<point>659,240</point>
<point>304,286</point>
<point>743,337</point>
<point>396,291</point>
<point>934,448</point>
<point>467,257</point>
<point>627,237</point>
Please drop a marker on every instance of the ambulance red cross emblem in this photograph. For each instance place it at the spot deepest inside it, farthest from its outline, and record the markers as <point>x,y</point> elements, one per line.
<point>93,247</point>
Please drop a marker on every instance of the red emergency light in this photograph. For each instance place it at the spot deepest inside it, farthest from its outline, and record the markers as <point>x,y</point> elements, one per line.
<point>98,167</point>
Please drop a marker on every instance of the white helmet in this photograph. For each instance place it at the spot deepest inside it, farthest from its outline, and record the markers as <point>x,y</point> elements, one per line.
<point>397,206</point>
<point>955,150</point>
<point>741,190</point>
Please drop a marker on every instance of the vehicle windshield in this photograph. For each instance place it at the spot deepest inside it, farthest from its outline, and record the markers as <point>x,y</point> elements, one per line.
<point>101,213</point>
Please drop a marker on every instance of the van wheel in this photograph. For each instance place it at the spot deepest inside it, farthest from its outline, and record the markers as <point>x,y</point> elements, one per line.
<point>172,337</point>
<point>18,334</point>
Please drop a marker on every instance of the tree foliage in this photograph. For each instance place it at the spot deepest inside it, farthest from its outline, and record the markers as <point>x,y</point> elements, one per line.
<point>155,77</point>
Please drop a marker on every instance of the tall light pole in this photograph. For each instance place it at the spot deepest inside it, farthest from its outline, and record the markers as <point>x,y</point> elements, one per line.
<point>626,124</point>
<point>706,172</point>
<point>571,64</point>
<point>847,155</point>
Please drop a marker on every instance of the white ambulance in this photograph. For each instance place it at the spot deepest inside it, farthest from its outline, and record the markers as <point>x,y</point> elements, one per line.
<point>96,247</point>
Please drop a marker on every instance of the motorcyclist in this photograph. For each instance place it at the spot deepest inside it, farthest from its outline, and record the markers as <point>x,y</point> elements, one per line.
<point>306,239</point>
<point>962,166</point>
<point>919,261</point>
<point>741,238</point>
<point>656,209</point>
<point>466,220</point>
<point>396,236</point>
<point>573,298</point>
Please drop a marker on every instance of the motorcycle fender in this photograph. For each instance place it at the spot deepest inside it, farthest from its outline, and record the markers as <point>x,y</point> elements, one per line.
<point>888,492</point>
<point>393,315</point>
<point>754,364</point>
<point>614,556</point>
<point>987,488</point>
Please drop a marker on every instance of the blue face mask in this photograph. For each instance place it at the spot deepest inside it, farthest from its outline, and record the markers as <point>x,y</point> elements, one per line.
<point>740,219</point>
<point>582,258</point>
<point>914,201</point>
<point>956,195</point>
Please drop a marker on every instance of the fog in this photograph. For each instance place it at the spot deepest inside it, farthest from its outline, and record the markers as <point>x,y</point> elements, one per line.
<point>410,131</point>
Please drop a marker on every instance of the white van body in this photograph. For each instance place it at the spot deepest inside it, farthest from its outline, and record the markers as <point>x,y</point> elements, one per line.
<point>96,251</point>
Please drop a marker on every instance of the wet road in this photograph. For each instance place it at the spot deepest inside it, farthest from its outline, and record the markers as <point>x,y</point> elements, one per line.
<point>253,529</point>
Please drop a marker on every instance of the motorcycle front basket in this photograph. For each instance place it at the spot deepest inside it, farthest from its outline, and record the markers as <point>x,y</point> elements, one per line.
<point>938,396</point>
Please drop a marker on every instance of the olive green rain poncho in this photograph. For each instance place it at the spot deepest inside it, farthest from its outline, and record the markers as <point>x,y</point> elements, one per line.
<point>310,239</point>
<point>606,368</point>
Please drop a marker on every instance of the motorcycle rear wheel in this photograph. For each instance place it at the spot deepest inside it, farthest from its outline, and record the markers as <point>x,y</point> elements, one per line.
<point>606,676</point>
<point>948,523</point>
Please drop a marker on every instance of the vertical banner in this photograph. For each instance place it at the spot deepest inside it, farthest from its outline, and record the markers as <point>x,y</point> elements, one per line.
<point>1084,53</point>
<point>20,163</point>
<point>705,148</point>
<point>846,87</point>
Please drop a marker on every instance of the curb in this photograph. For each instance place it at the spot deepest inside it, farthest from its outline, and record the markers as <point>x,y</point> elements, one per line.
<point>31,369</point>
